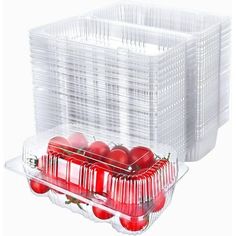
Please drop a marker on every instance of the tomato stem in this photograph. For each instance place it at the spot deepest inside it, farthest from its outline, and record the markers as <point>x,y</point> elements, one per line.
<point>81,151</point>
<point>32,161</point>
<point>117,145</point>
<point>168,156</point>
<point>157,157</point>
<point>80,207</point>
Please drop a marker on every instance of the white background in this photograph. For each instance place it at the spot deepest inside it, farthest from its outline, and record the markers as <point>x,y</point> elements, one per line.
<point>202,201</point>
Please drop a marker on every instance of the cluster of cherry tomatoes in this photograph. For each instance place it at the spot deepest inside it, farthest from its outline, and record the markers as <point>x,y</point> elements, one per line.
<point>104,161</point>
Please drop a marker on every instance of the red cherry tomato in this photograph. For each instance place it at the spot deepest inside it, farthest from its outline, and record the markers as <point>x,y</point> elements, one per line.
<point>118,158</point>
<point>159,202</point>
<point>121,147</point>
<point>134,223</point>
<point>78,140</point>
<point>125,190</point>
<point>133,210</point>
<point>101,214</point>
<point>58,145</point>
<point>142,156</point>
<point>144,191</point>
<point>137,188</point>
<point>38,187</point>
<point>98,150</point>
<point>101,173</point>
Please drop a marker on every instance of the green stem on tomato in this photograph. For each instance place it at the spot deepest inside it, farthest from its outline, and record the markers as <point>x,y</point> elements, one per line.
<point>168,156</point>
<point>81,151</point>
<point>80,207</point>
<point>157,157</point>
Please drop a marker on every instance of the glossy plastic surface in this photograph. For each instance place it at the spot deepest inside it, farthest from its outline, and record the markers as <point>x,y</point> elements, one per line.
<point>111,75</point>
<point>128,194</point>
<point>207,72</point>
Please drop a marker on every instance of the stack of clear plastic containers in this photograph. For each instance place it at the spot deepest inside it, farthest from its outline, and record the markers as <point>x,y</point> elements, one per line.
<point>208,74</point>
<point>113,77</point>
<point>154,73</point>
<point>90,174</point>
<point>147,88</point>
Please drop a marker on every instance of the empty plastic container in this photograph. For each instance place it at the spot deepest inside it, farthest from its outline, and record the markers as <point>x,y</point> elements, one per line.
<point>208,73</point>
<point>122,78</point>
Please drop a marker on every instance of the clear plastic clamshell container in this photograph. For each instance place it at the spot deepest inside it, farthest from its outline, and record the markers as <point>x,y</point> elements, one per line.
<point>98,177</point>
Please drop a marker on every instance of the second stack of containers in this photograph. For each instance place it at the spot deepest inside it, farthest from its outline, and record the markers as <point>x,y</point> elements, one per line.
<point>148,73</point>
